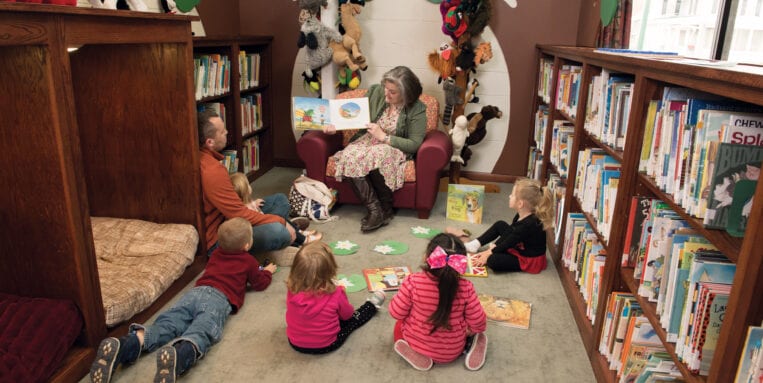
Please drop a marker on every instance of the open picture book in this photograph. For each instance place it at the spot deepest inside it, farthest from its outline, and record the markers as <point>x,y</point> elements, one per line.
<point>474,271</point>
<point>506,311</point>
<point>310,113</point>
<point>386,278</point>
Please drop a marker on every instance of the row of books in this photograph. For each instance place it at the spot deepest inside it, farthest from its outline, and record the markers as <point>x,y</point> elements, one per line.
<point>698,147</point>
<point>750,368</point>
<point>230,160</point>
<point>534,163</point>
<point>541,125</point>
<point>687,278</point>
<point>596,181</point>
<point>545,79</point>
<point>250,154</point>
<point>631,345</point>
<point>250,65</point>
<point>556,186</point>
<point>251,113</point>
<point>608,107</point>
<point>211,75</point>
<point>568,89</point>
<point>561,142</point>
<point>584,256</point>
<point>218,107</point>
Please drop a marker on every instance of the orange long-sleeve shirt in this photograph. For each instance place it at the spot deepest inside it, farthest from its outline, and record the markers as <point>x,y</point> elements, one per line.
<point>220,199</point>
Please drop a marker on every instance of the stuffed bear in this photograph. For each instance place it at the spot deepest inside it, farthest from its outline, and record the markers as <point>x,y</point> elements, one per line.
<point>458,135</point>
<point>135,5</point>
<point>316,37</point>
<point>452,98</point>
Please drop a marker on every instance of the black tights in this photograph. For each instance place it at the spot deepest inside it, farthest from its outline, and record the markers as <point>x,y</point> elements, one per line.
<point>363,314</point>
<point>500,260</point>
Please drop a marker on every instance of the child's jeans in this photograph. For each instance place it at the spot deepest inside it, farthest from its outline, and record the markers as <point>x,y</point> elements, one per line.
<point>198,317</point>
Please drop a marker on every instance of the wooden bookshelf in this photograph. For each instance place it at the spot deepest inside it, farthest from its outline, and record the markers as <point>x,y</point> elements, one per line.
<point>742,83</point>
<point>235,117</point>
<point>103,128</point>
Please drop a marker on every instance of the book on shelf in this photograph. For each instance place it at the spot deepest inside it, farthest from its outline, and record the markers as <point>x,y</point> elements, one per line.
<point>386,278</point>
<point>472,270</point>
<point>506,311</point>
<point>310,113</point>
<point>733,163</point>
<point>465,203</point>
<point>230,161</point>
<point>750,369</point>
<point>639,210</point>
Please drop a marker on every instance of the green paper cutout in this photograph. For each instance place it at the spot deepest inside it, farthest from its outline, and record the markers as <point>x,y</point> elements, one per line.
<point>424,232</point>
<point>391,248</point>
<point>186,5</point>
<point>607,11</point>
<point>344,247</point>
<point>352,283</point>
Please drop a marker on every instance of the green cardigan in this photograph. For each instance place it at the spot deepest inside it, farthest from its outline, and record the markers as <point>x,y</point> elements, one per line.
<point>411,125</point>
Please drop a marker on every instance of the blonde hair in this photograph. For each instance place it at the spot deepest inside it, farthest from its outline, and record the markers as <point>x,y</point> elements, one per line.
<point>313,270</point>
<point>234,234</point>
<point>539,198</point>
<point>241,186</point>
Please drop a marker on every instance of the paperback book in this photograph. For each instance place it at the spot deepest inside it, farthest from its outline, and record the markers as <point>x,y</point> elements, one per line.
<point>506,311</point>
<point>309,113</point>
<point>474,271</point>
<point>386,278</point>
<point>465,203</point>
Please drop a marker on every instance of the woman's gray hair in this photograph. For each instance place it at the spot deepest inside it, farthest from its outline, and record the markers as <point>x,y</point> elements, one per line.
<point>406,81</point>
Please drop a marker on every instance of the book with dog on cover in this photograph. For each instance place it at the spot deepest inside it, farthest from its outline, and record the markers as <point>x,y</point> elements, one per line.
<point>506,311</point>
<point>386,278</point>
<point>465,202</point>
<point>310,113</point>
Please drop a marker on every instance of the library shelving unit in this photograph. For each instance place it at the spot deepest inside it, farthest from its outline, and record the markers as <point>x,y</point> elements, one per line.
<point>651,76</point>
<point>250,128</point>
<point>98,120</point>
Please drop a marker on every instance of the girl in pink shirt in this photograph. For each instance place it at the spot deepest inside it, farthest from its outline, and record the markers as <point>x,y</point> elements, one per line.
<point>319,318</point>
<point>438,314</point>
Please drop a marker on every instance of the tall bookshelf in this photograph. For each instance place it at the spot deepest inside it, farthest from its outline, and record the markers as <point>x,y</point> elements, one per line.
<point>651,76</point>
<point>243,132</point>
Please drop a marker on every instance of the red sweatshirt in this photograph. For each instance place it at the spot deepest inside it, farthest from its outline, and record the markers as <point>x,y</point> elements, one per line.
<point>231,272</point>
<point>220,199</point>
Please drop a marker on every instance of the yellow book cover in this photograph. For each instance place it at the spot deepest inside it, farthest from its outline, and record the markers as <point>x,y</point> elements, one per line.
<point>465,203</point>
<point>506,311</point>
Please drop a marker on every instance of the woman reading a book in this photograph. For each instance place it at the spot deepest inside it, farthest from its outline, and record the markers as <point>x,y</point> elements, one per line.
<point>439,316</point>
<point>374,161</point>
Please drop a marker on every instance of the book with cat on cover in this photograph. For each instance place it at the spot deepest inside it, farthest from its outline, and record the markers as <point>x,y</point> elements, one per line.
<point>310,113</point>
<point>506,311</point>
<point>386,278</point>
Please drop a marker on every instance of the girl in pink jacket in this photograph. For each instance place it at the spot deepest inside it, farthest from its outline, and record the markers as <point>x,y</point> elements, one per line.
<point>438,314</point>
<point>319,318</point>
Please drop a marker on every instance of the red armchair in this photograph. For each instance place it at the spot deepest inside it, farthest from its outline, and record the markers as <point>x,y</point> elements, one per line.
<point>422,176</point>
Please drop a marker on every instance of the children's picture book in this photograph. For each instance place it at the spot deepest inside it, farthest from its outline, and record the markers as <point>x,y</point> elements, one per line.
<point>474,271</point>
<point>506,311</point>
<point>386,278</point>
<point>733,163</point>
<point>310,113</point>
<point>751,362</point>
<point>465,203</point>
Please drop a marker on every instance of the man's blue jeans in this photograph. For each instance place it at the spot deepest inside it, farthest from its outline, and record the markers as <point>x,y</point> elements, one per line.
<point>272,236</point>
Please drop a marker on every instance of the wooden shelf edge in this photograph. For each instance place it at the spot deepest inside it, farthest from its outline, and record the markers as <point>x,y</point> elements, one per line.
<point>75,365</point>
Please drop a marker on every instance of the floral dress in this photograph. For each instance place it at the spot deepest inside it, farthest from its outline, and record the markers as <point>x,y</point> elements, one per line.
<point>367,153</point>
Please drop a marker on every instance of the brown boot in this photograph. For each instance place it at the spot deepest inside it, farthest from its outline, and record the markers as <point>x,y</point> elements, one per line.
<point>367,196</point>
<point>384,193</point>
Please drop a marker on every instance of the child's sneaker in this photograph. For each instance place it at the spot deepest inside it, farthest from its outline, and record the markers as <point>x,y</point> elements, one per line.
<point>418,361</point>
<point>475,357</point>
<point>377,298</point>
<point>104,363</point>
<point>302,223</point>
<point>166,361</point>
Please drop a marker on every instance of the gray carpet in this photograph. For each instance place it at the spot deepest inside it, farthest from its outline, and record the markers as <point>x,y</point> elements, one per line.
<point>254,346</point>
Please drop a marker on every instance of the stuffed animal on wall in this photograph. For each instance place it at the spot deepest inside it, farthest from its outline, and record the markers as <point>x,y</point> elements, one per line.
<point>312,82</point>
<point>179,6</point>
<point>347,52</point>
<point>315,36</point>
<point>478,123</point>
<point>479,17</point>
<point>313,6</point>
<point>458,135</point>
<point>470,96</point>
<point>452,98</point>
<point>483,53</point>
<point>135,5</point>
<point>465,59</point>
<point>443,61</point>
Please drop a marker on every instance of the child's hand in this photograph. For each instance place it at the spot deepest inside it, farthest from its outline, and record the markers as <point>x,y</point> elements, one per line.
<point>480,259</point>
<point>257,204</point>
<point>271,267</point>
